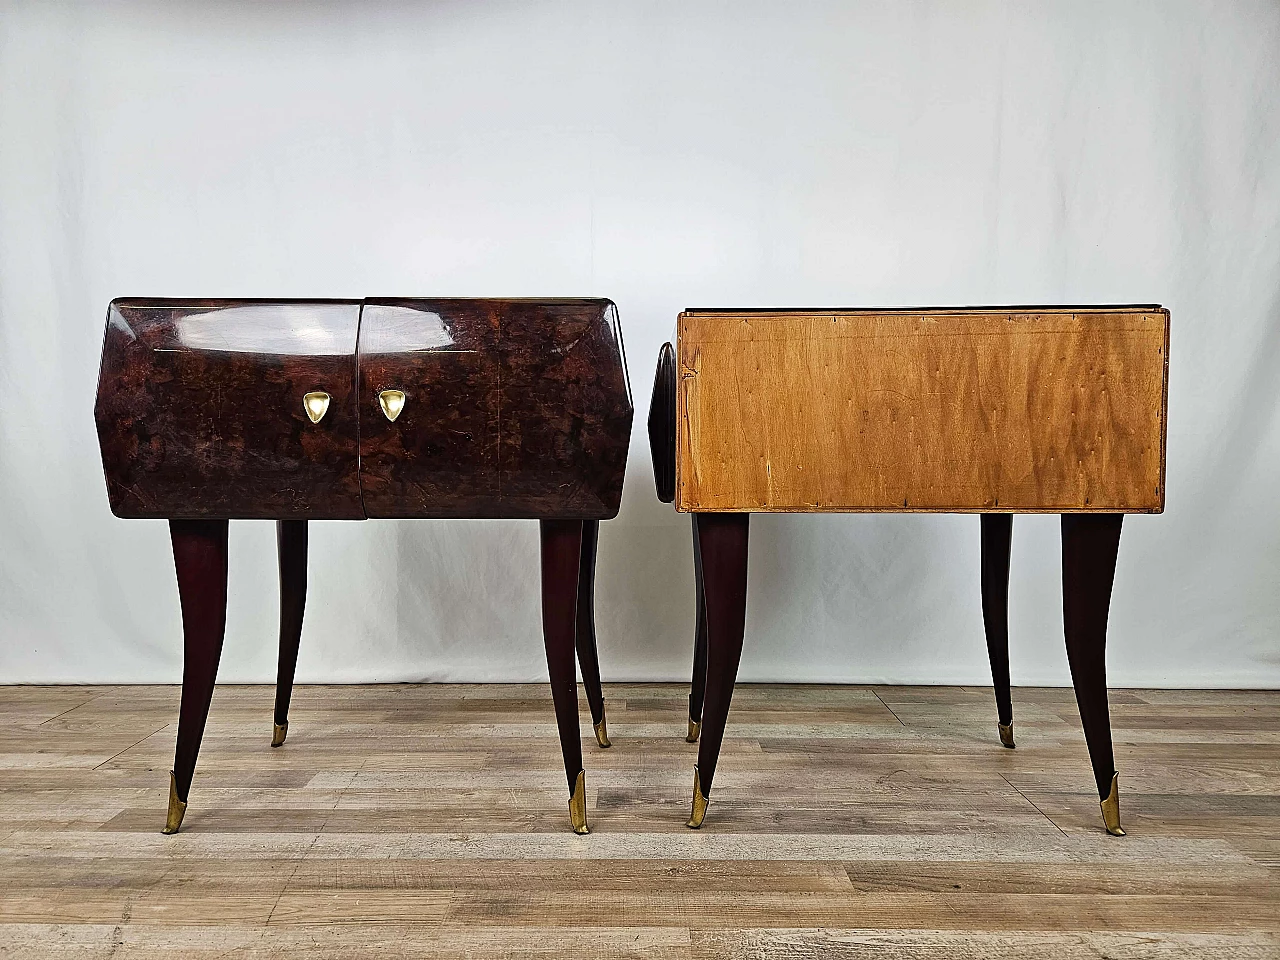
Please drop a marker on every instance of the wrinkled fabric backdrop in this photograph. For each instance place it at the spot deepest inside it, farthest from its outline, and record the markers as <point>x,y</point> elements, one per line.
<point>664,155</point>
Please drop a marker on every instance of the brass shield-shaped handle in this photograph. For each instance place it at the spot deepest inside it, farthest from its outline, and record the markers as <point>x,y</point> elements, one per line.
<point>316,404</point>
<point>391,402</point>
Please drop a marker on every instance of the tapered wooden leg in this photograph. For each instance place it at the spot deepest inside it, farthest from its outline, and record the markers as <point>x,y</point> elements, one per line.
<point>561,562</point>
<point>997,535</point>
<point>291,545</point>
<point>588,658</point>
<point>698,687</point>
<point>722,541</point>
<point>200,558</point>
<point>1090,542</point>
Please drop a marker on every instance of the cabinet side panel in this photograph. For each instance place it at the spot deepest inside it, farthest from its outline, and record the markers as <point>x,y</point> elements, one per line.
<point>565,410</point>
<point>930,411</point>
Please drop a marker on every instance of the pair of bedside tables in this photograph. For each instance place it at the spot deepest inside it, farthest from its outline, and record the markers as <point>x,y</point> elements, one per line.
<point>294,410</point>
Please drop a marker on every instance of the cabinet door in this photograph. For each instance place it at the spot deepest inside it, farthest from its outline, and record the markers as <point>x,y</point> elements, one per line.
<point>429,408</point>
<point>202,409</point>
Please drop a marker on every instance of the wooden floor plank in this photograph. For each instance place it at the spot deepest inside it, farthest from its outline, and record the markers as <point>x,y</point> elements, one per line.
<point>431,821</point>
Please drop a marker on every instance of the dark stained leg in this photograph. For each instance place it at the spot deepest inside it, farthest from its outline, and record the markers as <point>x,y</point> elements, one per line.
<point>1090,542</point>
<point>561,560</point>
<point>997,534</point>
<point>200,557</point>
<point>722,541</point>
<point>588,659</point>
<point>291,545</point>
<point>698,688</point>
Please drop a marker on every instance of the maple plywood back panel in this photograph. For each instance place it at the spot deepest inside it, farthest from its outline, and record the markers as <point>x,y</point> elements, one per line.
<point>1053,410</point>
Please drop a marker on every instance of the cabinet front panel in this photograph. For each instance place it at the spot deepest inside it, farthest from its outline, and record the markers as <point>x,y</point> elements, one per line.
<point>436,361</point>
<point>201,411</point>
<point>983,409</point>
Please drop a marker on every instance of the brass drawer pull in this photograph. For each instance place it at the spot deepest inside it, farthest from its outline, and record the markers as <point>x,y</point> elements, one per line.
<point>316,404</point>
<point>391,402</point>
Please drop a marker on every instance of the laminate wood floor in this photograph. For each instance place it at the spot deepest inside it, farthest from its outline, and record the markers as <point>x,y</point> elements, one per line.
<point>431,821</point>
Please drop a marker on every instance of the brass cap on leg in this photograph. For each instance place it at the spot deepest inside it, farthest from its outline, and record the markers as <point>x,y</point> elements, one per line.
<point>1111,808</point>
<point>1006,733</point>
<point>578,804</point>
<point>177,808</point>
<point>699,802</point>
<point>278,732</point>
<point>602,733</point>
<point>695,728</point>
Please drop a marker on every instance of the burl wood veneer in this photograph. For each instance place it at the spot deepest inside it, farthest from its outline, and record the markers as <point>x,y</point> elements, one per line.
<point>200,411</point>
<point>991,410</point>
<point>299,410</point>
<point>509,408</point>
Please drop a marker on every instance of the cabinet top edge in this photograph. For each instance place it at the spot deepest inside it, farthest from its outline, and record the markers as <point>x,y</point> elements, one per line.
<point>291,301</point>
<point>552,301</point>
<point>913,311</point>
<point>226,301</point>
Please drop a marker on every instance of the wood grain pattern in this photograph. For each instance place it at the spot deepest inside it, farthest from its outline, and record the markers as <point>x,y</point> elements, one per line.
<point>199,409</point>
<point>1031,409</point>
<point>513,408</point>
<point>440,456</point>
<point>566,410</point>
<point>426,821</point>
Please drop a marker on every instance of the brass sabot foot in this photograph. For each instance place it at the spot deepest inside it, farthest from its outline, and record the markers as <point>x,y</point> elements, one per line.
<point>177,808</point>
<point>578,804</point>
<point>695,728</point>
<point>1006,733</point>
<point>278,732</point>
<point>602,733</point>
<point>699,803</point>
<point>1111,808</point>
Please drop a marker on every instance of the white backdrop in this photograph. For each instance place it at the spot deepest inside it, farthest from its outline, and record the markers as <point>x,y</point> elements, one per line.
<point>664,155</point>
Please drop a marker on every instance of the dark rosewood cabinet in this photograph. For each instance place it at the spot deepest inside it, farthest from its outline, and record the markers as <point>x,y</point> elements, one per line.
<point>296,410</point>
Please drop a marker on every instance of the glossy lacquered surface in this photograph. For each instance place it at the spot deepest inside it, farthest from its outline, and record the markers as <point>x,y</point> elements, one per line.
<point>510,408</point>
<point>662,424</point>
<point>200,409</point>
<point>565,409</point>
<point>513,408</point>
<point>440,455</point>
